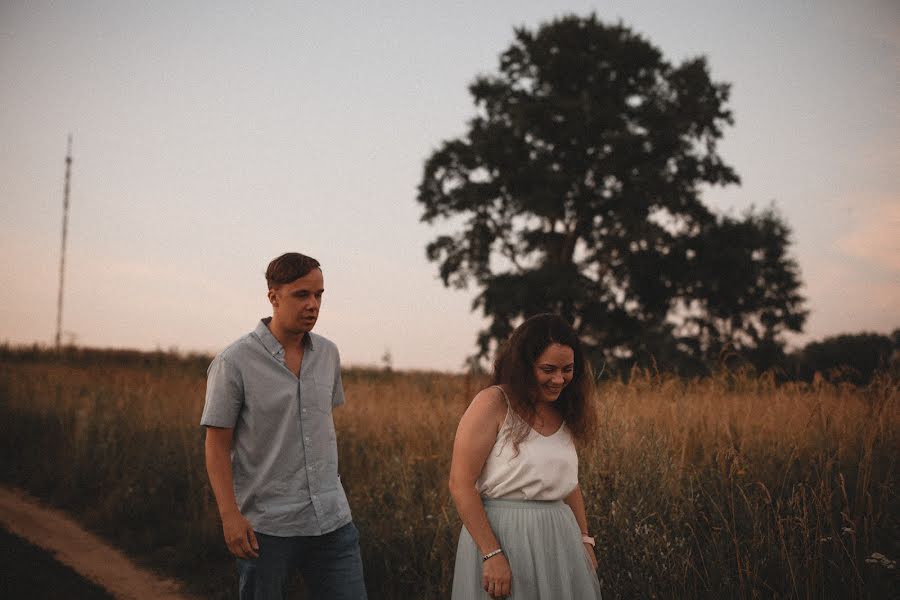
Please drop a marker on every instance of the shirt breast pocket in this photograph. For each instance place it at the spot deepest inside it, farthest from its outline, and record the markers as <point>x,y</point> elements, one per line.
<point>324,392</point>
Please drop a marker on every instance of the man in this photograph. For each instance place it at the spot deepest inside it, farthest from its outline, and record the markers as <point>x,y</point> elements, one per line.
<point>271,453</point>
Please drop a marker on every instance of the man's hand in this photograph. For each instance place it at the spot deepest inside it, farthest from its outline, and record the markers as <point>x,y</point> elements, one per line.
<point>496,578</point>
<point>239,536</point>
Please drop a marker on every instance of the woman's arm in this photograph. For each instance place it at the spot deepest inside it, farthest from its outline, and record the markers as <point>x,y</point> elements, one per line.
<point>576,502</point>
<point>475,437</point>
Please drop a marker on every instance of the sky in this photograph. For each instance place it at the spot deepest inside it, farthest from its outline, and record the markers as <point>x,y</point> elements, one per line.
<point>210,137</point>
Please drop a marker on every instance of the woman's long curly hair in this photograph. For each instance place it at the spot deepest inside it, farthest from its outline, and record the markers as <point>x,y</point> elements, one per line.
<point>514,369</point>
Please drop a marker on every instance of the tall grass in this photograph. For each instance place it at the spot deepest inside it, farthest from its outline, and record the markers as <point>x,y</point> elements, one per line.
<point>729,487</point>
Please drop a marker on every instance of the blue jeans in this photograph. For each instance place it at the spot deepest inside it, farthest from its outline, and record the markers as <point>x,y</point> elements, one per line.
<point>331,566</point>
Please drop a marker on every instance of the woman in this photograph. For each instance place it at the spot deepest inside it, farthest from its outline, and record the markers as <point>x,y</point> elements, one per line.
<point>514,474</point>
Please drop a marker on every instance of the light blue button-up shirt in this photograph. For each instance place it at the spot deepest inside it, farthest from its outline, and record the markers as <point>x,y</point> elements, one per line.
<point>284,451</point>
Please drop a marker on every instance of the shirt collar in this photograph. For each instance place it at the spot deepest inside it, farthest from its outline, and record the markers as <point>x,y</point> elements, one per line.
<point>271,343</point>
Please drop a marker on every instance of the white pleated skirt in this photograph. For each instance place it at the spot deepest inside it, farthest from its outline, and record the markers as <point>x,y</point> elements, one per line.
<point>542,542</point>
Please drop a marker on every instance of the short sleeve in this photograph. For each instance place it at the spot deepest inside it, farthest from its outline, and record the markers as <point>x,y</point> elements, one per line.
<point>224,394</point>
<point>337,394</point>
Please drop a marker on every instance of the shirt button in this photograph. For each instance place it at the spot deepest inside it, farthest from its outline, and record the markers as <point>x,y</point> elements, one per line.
<point>303,410</point>
<point>306,438</point>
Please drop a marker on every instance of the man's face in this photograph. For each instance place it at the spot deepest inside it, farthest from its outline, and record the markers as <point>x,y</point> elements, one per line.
<point>295,305</point>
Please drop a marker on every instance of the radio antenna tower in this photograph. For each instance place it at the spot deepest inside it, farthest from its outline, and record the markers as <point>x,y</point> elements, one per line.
<point>62,257</point>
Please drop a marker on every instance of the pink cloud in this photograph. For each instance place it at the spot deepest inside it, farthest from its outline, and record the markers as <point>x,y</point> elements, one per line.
<point>876,238</point>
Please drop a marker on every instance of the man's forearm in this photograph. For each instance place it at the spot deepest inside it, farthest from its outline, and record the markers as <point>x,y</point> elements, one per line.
<point>218,468</point>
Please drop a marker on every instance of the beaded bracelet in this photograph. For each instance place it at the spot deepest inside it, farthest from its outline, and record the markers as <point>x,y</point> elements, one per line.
<point>492,553</point>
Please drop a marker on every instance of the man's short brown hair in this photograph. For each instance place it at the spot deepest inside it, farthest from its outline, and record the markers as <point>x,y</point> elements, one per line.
<point>288,267</point>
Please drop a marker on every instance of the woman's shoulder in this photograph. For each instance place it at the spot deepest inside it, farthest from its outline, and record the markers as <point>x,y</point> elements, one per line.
<point>491,403</point>
<point>492,396</point>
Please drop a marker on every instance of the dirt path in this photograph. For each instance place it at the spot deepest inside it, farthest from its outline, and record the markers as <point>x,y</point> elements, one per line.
<point>83,551</point>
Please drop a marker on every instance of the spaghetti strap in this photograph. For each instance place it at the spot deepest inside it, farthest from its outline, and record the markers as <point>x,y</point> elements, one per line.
<point>502,391</point>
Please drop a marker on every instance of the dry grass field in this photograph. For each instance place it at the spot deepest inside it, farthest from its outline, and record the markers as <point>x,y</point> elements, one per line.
<point>729,487</point>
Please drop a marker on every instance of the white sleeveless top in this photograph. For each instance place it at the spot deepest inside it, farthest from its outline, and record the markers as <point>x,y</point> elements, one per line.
<point>546,467</point>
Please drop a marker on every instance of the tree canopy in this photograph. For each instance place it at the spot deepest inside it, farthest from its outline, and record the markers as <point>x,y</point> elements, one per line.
<point>853,357</point>
<point>577,190</point>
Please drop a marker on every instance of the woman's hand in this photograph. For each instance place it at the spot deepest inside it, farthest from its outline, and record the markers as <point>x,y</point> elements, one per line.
<point>496,577</point>
<point>590,552</point>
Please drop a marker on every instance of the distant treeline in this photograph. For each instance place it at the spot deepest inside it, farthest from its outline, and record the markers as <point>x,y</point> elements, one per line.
<point>83,356</point>
<point>848,357</point>
<point>175,360</point>
<point>854,358</point>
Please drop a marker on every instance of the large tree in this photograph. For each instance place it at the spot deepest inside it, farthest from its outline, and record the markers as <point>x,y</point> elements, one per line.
<point>577,189</point>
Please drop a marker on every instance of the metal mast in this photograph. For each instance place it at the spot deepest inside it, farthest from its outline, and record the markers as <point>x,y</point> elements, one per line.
<point>62,257</point>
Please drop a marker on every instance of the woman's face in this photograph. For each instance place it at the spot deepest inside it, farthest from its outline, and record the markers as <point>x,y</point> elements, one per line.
<point>553,370</point>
